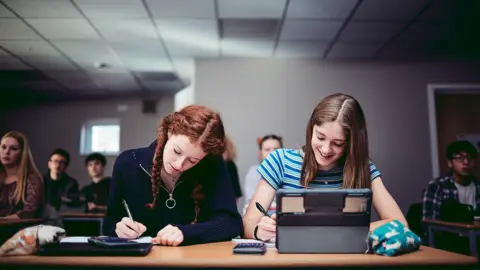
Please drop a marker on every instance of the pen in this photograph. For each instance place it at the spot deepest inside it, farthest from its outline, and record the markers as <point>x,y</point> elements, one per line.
<point>125,205</point>
<point>261,209</point>
<point>127,209</point>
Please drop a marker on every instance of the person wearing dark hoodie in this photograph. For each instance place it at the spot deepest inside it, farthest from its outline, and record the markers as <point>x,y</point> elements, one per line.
<point>177,189</point>
<point>60,188</point>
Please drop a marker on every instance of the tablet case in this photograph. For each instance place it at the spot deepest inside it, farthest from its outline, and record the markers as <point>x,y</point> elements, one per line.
<point>86,249</point>
<point>323,220</point>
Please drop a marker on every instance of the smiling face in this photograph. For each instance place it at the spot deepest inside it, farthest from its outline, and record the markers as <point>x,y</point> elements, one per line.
<point>328,144</point>
<point>180,154</point>
<point>10,151</point>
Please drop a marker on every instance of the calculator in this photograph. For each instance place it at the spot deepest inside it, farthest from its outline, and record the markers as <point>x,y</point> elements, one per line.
<point>250,248</point>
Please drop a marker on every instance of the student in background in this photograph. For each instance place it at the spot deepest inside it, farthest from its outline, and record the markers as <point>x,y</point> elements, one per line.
<point>96,193</point>
<point>61,189</point>
<point>335,155</point>
<point>459,183</point>
<point>21,186</point>
<point>177,188</point>
<point>229,156</point>
<point>266,145</point>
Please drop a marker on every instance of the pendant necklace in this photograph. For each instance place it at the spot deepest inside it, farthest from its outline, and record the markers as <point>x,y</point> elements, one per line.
<point>170,203</point>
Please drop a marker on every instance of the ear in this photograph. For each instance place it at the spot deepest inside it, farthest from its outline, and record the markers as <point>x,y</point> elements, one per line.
<point>260,154</point>
<point>449,163</point>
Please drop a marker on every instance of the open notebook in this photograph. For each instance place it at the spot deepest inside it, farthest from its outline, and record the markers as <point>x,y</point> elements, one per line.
<point>268,244</point>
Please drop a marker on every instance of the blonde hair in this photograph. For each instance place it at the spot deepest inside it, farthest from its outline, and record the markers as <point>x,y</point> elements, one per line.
<point>230,149</point>
<point>26,166</point>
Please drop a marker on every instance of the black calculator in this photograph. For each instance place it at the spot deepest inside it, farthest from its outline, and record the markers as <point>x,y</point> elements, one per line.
<point>250,248</point>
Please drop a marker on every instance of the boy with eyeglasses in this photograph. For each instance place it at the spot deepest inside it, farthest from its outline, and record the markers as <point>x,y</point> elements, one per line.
<point>60,188</point>
<point>459,184</point>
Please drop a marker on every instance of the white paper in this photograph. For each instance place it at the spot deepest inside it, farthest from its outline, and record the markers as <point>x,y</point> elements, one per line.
<point>84,239</point>
<point>268,244</point>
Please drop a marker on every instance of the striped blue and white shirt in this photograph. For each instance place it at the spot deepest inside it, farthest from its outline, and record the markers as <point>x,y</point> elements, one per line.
<point>282,169</point>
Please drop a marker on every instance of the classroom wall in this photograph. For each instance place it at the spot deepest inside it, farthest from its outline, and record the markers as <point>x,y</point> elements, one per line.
<point>256,97</point>
<point>59,125</point>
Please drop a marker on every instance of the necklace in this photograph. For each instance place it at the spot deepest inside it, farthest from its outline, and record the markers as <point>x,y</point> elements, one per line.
<point>170,203</point>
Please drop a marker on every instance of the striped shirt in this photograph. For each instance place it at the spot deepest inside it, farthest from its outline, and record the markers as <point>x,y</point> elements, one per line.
<point>282,169</point>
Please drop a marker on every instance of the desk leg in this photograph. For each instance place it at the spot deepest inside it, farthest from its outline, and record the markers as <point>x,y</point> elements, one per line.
<point>472,239</point>
<point>101,227</point>
<point>431,237</point>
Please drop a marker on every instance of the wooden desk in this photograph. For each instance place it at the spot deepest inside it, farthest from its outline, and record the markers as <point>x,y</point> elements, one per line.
<point>219,255</point>
<point>85,217</point>
<point>470,229</point>
<point>19,222</point>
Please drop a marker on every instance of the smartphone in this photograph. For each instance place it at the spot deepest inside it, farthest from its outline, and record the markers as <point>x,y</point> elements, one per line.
<point>250,248</point>
<point>107,241</point>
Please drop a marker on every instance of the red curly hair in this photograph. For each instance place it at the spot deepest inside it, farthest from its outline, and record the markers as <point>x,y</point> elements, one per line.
<point>201,125</point>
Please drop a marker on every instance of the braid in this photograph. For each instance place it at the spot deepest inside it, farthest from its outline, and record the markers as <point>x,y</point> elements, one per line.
<point>158,162</point>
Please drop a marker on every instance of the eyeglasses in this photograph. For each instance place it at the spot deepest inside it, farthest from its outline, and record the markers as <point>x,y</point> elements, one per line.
<point>461,158</point>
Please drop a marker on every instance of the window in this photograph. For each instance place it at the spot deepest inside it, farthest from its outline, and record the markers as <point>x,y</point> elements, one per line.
<point>100,135</point>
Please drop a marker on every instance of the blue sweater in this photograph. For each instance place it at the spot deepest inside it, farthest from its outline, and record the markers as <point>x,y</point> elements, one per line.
<point>218,220</point>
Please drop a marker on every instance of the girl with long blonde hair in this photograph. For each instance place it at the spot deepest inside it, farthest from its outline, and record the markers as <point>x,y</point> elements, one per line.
<point>21,185</point>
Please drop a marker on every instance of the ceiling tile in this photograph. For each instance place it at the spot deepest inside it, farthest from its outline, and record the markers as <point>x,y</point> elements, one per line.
<point>30,48</point>
<point>126,29</point>
<point>246,48</point>
<point>403,10</point>
<point>50,63</point>
<point>192,37</point>
<point>148,64</point>
<point>183,48</point>
<point>5,13</point>
<point>354,50</point>
<point>58,29</point>
<point>193,9</point>
<point>15,29</point>
<point>428,30</point>
<point>444,10</point>
<point>4,53</point>
<point>76,81</point>
<point>320,9</point>
<point>309,30</point>
<point>251,9</point>
<point>188,29</point>
<point>112,8</point>
<point>43,9</point>
<point>87,53</point>
<point>143,55</point>
<point>401,50</point>
<point>370,31</point>
<point>11,63</point>
<point>300,49</point>
<point>248,28</point>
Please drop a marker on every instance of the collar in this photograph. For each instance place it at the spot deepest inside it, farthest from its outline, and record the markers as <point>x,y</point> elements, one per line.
<point>144,156</point>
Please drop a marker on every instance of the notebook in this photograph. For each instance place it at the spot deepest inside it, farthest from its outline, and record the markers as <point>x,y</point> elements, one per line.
<point>79,246</point>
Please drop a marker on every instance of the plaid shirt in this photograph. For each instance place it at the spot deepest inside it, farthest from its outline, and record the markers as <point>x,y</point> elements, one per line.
<point>441,189</point>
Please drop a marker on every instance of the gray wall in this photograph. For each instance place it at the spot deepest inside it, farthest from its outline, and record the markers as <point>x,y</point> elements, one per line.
<point>256,97</point>
<point>59,125</point>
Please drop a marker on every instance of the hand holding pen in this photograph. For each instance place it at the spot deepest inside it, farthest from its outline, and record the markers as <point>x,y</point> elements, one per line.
<point>267,227</point>
<point>127,227</point>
